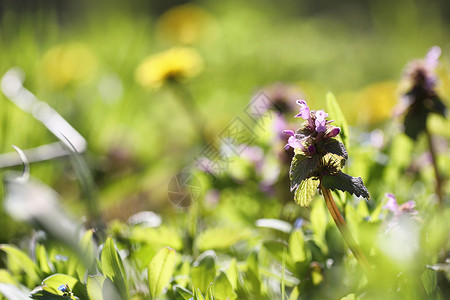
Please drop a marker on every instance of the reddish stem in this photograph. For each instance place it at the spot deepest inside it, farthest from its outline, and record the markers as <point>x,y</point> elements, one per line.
<point>343,228</point>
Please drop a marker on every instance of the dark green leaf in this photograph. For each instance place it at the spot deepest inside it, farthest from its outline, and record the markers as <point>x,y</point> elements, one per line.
<point>347,183</point>
<point>437,106</point>
<point>415,122</point>
<point>44,295</point>
<point>335,147</point>
<point>182,292</point>
<point>301,168</point>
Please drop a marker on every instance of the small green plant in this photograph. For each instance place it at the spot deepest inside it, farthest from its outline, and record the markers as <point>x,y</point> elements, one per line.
<point>318,162</point>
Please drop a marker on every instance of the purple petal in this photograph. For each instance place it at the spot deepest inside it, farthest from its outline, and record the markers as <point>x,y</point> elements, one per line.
<point>311,149</point>
<point>320,121</point>
<point>334,132</point>
<point>408,206</point>
<point>392,204</point>
<point>304,110</point>
<point>289,132</point>
<point>432,58</point>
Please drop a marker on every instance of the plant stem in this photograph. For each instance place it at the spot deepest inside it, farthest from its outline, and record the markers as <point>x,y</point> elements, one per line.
<point>435,167</point>
<point>343,228</point>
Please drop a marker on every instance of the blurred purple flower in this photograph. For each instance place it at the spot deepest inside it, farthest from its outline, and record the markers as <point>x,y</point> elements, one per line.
<point>398,210</point>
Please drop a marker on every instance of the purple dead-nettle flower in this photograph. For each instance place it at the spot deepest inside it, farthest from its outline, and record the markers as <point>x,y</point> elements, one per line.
<point>320,121</point>
<point>304,110</point>
<point>315,129</point>
<point>293,142</point>
<point>398,210</point>
<point>332,132</point>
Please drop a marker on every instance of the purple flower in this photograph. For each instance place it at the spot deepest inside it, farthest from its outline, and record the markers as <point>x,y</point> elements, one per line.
<point>320,121</point>
<point>304,110</point>
<point>398,210</point>
<point>292,141</point>
<point>333,132</point>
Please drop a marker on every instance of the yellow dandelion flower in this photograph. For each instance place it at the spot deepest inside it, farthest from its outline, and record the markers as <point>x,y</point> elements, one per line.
<point>174,64</point>
<point>185,24</point>
<point>375,102</point>
<point>68,63</point>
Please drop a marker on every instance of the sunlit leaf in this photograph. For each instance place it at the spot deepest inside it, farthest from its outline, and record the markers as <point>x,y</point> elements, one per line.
<point>26,264</point>
<point>203,270</point>
<point>297,246</point>
<point>223,288</point>
<point>160,271</point>
<point>41,257</point>
<point>335,113</point>
<point>276,224</point>
<point>52,283</point>
<point>101,288</point>
<point>112,267</point>
<point>306,191</point>
<point>185,294</point>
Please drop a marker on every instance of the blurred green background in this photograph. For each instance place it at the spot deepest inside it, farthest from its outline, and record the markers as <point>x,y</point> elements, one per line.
<point>82,57</point>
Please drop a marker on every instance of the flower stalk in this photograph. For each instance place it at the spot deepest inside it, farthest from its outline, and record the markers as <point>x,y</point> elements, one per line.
<point>343,228</point>
<point>435,167</point>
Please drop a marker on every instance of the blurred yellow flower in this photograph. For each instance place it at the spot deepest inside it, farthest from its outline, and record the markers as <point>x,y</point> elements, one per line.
<point>185,24</point>
<point>376,101</point>
<point>68,63</point>
<point>174,64</point>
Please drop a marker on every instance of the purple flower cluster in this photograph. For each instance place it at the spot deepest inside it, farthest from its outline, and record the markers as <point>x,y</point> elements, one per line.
<point>398,210</point>
<point>314,129</point>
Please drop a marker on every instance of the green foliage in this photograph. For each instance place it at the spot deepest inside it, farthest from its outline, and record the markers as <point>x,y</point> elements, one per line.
<point>336,114</point>
<point>346,183</point>
<point>112,267</point>
<point>160,271</point>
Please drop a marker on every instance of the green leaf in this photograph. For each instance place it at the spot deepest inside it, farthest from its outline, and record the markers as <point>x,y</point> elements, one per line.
<point>101,288</point>
<point>198,295</point>
<point>19,258</point>
<point>160,270</point>
<point>306,191</point>
<point>336,114</point>
<point>203,270</point>
<point>112,267</point>
<point>223,288</point>
<point>347,183</point>
<point>295,294</point>
<point>301,168</point>
<point>41,257</point>
<point>13,292</point>
<point>220,238</point>
<point>297,246</point>
<point>335,147</point>
<point>437,106</point>
<point>232,273</point>
<point>429,280</point>
<point>45,295</point>
<point>51,284</point>
<point>6,277</point>
<point>184,293</point>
